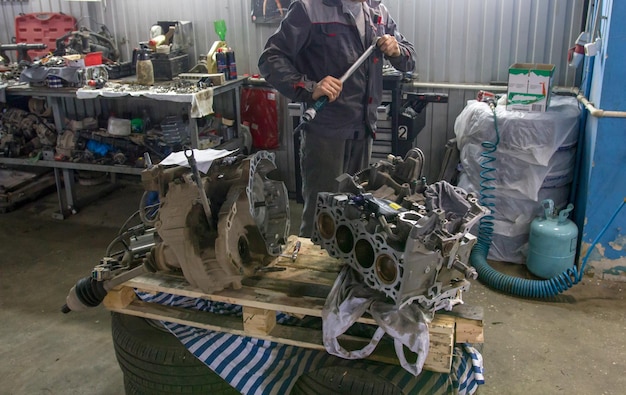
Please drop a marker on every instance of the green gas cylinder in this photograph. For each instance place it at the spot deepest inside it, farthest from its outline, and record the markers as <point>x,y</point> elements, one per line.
<point>552,242</point>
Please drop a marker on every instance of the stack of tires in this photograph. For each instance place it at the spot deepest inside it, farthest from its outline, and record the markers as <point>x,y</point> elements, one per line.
<point>155,362</point>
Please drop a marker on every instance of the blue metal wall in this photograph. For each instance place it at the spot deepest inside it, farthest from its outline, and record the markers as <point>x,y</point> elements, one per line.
<point>603,184</point>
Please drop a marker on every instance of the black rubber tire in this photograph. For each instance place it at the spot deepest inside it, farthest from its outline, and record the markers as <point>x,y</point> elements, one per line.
<point>343,380</point>
<point>155,362</point>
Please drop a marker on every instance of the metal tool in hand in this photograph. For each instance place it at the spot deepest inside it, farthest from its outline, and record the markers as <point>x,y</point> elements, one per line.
<point>294,253</point>
<point>198,179</point>
<point>312,111</point>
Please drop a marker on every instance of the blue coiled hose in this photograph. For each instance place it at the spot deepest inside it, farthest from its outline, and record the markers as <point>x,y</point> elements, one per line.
<point>514,285</point>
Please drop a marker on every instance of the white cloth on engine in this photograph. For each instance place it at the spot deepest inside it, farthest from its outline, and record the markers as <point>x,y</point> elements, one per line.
<point>350,298</point>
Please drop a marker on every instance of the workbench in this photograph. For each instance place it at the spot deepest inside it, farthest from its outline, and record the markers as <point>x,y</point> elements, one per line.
<point>298,289</point>
<point>67,102</point>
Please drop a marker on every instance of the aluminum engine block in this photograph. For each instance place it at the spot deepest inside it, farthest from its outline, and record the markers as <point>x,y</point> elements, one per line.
<point>410,256</point>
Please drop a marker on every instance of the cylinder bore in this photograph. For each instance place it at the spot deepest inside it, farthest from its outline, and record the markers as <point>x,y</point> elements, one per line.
<point>386,269</point>
<point>364,253</point>
<point>345,239</point>
<point>326,226</point>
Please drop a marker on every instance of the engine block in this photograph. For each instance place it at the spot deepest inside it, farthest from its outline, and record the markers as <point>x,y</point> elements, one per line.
<point>409,255</point>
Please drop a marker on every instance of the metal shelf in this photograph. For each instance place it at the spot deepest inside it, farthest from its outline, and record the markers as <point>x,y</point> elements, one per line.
<point>120,169</point>
<point>64,171</point>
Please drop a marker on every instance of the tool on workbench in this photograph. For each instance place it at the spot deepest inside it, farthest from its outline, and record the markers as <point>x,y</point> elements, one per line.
<point>22,51</point>
<point>312,111</point>
<point>97,83</point>
<point>294,253</point>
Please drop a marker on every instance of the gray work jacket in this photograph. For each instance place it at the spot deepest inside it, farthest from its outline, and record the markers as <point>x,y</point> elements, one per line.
<point>317,39</point>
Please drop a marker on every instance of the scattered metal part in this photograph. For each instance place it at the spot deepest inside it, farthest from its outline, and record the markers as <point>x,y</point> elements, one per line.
<point>294,255</point>
<point>269,269</point>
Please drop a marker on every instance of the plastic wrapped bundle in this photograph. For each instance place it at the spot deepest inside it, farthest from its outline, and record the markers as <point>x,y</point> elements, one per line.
<point>534,160</point>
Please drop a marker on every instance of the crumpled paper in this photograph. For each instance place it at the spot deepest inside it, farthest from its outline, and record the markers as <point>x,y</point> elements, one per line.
<point>204,158</point>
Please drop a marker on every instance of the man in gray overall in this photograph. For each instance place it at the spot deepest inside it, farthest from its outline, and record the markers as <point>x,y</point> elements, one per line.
<point>316,43</point>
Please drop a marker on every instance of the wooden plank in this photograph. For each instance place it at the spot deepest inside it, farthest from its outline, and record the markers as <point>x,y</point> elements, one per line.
<point>258,321</point>
<point>119,298</point>
<point>291,297</point>
<point>261,298</point>
<point>30,191</point>
<point>438,360</point>
<point>469,331</point>
<point>311,258</point>
<point>441,331</point>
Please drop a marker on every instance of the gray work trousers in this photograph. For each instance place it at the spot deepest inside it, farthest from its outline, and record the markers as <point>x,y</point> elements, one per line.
<point>322,160</point>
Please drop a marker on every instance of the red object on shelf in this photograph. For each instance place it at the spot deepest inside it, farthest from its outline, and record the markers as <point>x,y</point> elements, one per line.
<point>260,109</point>
<point>93,58</point>
<point>42,27</point>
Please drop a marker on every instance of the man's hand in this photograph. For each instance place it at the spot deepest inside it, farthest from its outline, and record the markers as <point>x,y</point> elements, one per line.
<point>389,45</point>
<point>328,86</point>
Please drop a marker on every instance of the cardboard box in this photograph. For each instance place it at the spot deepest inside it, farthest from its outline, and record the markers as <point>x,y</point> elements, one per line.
<point>530,86</point>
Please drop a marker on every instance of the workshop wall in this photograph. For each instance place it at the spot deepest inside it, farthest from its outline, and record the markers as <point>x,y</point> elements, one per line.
<point>600,193</point>
<point>469,41</point>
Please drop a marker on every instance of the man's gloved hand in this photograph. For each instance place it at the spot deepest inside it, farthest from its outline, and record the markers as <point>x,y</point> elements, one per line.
<point>389,45</point>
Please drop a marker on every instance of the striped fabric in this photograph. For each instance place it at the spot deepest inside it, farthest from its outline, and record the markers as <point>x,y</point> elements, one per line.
<point>262,367</point>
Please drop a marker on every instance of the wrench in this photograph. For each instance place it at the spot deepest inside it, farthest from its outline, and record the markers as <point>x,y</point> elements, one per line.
<point>311,112</point>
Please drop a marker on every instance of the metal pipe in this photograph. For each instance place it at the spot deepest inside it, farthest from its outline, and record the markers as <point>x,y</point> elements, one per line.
<point>598,112</point>
<point>469,87</point>
<point>487,87</point>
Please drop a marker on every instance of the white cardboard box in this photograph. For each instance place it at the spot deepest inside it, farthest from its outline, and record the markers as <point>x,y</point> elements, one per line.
<point>530,86</point>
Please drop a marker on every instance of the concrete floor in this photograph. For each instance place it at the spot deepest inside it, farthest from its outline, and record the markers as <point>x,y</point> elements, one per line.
<point>575,345</point>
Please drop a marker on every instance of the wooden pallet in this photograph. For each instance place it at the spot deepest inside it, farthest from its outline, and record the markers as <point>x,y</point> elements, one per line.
<point>19,186</point>
<point>299,290</point>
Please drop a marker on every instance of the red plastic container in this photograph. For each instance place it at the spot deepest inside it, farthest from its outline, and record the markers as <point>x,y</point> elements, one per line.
<point>42,27</point>
<point>260,109</point>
